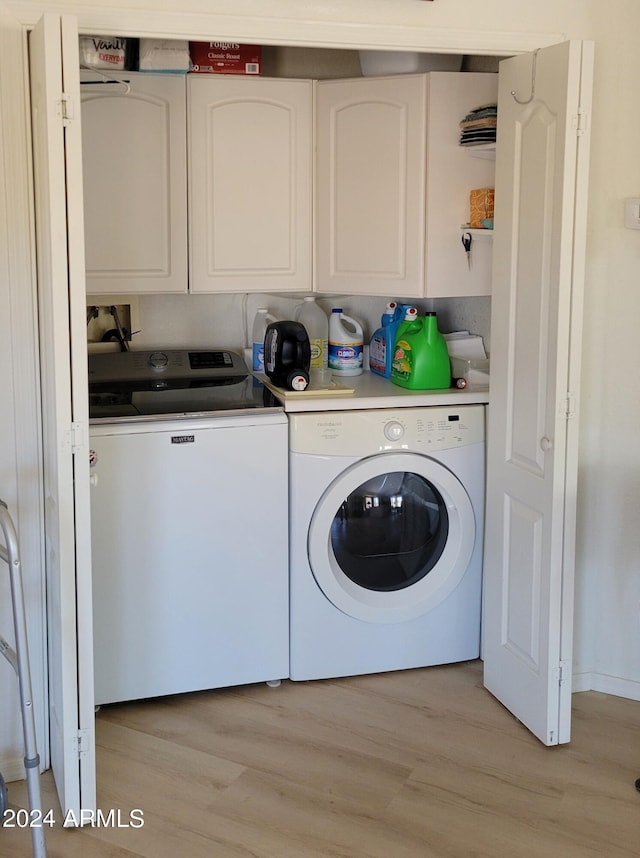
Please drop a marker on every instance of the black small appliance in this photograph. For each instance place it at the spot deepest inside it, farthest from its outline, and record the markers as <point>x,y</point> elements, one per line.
<point>287,355</point>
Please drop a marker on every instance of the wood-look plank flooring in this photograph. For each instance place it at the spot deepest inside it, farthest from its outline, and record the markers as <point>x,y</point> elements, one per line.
<point>415,763</point>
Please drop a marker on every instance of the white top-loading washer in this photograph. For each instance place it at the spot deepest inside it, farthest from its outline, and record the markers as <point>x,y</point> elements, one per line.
<point>189,520</point>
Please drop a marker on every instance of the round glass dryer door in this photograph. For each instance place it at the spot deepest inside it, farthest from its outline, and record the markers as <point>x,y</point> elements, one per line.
<point>391,537</point>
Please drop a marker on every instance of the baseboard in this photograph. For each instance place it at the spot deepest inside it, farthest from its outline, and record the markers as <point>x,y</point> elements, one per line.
<point>12,769</point>
<point>606,685</point>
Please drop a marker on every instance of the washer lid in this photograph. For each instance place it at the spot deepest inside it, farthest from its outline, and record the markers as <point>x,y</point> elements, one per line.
<point>406,583</point>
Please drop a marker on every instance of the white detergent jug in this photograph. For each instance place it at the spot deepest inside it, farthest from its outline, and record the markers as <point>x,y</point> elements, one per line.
<point>314,318</point>
<point>262,320</point>
<point>346,352</point>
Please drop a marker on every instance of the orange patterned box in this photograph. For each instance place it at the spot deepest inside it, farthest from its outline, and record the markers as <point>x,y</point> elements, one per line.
<point>481,206</point>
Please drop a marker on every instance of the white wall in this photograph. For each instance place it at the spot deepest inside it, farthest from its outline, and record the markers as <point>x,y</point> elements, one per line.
<point>608,551</point>
<point>608,596</point>
<point>203,321</point>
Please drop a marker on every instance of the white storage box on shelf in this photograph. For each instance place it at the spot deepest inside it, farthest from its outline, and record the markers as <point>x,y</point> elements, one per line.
<point>474,371</point>
<point>469,361</point>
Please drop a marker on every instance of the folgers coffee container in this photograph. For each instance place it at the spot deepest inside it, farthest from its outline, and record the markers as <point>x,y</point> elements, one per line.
<point>420,357</point>
<point>346,348</point>
<point>287,355</point>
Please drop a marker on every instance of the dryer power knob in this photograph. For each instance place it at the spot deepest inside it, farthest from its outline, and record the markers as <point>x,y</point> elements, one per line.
<point>393,430</point>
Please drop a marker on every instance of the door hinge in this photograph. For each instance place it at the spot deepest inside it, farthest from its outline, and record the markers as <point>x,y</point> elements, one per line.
<point>75,438</point>
<point>580,121</point>
<point>80,743</point>
<point>570,406</point>
<point>66,109</point>
<point>562,672</point>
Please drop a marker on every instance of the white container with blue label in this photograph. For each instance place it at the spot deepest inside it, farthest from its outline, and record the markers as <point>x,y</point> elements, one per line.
<point>346,349</point>
<point>262,319</point>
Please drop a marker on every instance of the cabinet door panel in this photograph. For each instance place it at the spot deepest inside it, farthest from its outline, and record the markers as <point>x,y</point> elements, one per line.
<point>371,186</point>
<point>135,192</point>
<point>250,184</point>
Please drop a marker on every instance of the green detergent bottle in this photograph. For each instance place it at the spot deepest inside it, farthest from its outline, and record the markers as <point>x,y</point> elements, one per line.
<point>420,357</point>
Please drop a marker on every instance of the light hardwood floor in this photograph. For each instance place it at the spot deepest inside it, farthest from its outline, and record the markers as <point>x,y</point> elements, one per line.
<point>415,763</point>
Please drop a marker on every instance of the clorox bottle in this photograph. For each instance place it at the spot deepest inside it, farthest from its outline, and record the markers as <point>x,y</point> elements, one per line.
<point>345,344</point>
<point>384,339</point>
<point>420,357</point>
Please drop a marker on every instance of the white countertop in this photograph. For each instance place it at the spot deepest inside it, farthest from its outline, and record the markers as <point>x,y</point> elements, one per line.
<point>373,391</point>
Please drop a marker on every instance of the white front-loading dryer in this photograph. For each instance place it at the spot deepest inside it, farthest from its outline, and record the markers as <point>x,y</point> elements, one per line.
<point>386,528</point>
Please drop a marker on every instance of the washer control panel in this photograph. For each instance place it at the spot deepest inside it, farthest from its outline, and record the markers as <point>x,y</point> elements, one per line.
<point>363,433</point>
<point>182,364</point>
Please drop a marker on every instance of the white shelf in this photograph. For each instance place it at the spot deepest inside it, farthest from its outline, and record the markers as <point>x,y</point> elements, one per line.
<point>477,233</point>
<point>482,150</point>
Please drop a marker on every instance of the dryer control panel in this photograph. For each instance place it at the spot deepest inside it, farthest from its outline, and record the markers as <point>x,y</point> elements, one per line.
<point>363,433</point>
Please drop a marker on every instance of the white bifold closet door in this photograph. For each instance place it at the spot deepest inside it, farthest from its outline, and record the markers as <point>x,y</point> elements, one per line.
<point>55,111</point>
<point>538,271</point>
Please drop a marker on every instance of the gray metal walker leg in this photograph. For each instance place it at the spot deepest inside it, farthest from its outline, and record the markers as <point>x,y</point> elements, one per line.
<point>19,660</point>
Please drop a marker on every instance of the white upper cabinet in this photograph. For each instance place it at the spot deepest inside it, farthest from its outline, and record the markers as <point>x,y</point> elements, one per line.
<point>393,186</point>
<point>391,191</point>
<point>371,138</point>
<point>250,183</point>
<point>135,185</point>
